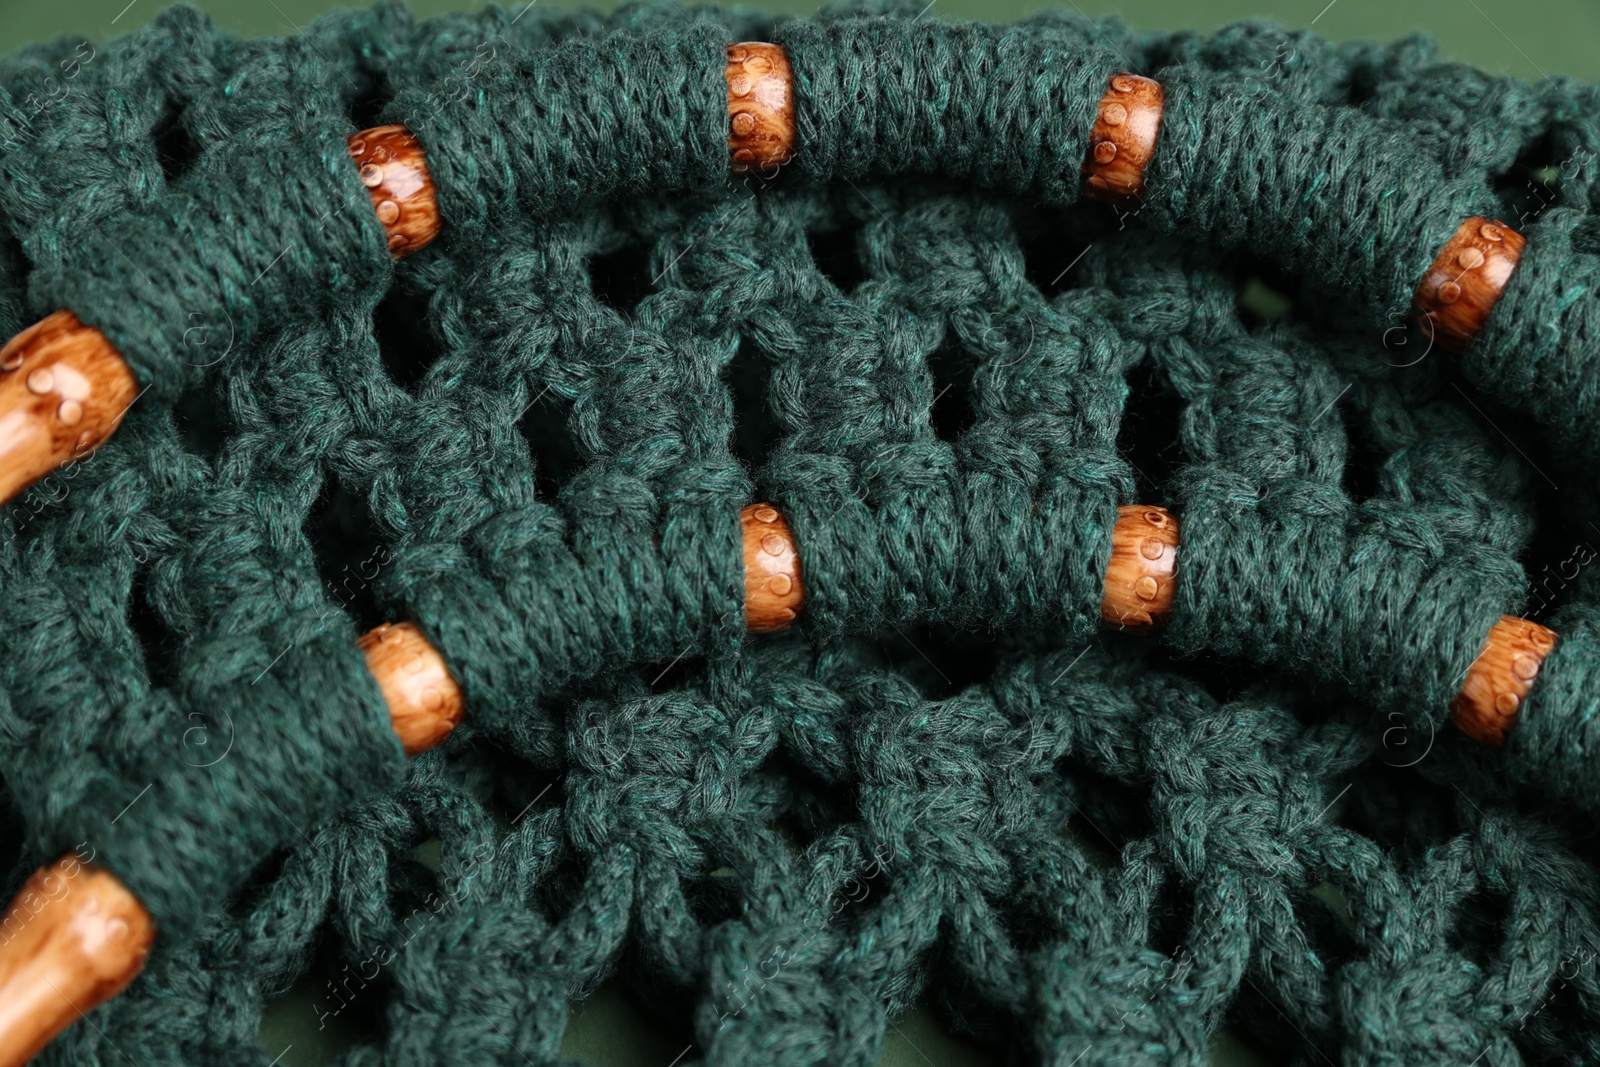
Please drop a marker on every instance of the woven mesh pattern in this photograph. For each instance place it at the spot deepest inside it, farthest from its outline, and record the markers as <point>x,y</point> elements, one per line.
<point>534,438</point>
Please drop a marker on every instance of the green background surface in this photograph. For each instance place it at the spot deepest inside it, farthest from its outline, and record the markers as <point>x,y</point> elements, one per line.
<point>1530,40</point>
<point>1549,39</point>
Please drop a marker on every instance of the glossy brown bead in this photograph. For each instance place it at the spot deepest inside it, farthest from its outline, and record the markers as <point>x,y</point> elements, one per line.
<point>1464,283</point>
<point>1500,679</point>
<point>1123,140</point>
<point>394,168</point>
<point>63,392</point>
<point>773,588</point>
<point>425,703</point>
<point>1141,578</point>
<point>761,128</point>
<point>74,937</point>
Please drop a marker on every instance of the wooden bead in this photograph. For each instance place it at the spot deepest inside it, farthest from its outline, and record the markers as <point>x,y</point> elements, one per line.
<point>1499,679</point>
<point>1455,297</point>
<point>63,391</point>
<point>73,939</point>
<point>1123,140</point>
<point>394,169</point>
<point>425,703</point>
<point>773,590</point>
<point>761,130</point>
<point>1142,575</point>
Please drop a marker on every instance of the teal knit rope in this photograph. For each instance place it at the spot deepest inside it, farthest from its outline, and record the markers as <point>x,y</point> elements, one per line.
<point>533,440</point>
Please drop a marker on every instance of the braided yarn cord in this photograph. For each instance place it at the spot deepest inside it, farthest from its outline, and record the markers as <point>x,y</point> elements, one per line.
<point>945,785</point>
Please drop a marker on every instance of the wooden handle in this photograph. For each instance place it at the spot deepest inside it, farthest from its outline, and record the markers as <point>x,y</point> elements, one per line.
<point>1455,297</point>
<point>425,703</point>
<point>761,130</point>
<point>1123,140</point>
<point>63,391</point>
<point>773,589</point>
<point>394,168</point>
<point>1141,578</point>
<point>72,939</point>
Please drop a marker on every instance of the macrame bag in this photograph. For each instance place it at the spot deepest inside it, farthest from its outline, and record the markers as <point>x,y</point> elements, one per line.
<point>844,512</point>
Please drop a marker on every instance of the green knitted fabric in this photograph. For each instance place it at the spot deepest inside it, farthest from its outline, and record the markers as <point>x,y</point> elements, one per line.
<point>533,440</point>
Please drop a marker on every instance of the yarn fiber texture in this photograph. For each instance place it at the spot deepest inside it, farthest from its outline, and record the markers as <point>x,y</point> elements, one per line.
<point>946,785</point>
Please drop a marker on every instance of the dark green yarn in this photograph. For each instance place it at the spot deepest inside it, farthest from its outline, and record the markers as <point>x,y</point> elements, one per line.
<point>1357,203</point>
<point>1326,192</point>
<point>618,115</point>
<point>1098,855</point>
<point>1280,564</point>
<point>1233,791</point>
<point>1004,107</point>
